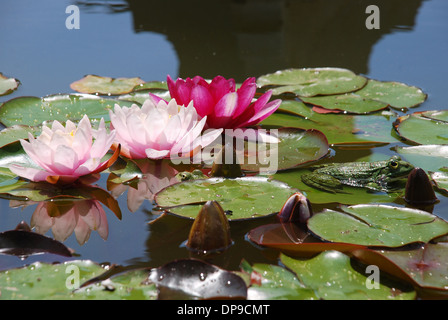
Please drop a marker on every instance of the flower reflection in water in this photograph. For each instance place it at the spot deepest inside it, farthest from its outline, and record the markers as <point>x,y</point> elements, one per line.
<point>66,217</point>
<point>156,175</point>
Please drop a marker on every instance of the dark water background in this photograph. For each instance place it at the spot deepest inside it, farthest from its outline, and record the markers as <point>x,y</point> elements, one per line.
<point>238,39</point>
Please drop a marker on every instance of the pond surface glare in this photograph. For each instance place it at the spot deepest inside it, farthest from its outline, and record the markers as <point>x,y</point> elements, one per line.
<point>235,39</point>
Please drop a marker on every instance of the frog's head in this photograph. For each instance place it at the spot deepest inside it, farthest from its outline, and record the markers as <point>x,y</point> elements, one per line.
<point>396,168</point>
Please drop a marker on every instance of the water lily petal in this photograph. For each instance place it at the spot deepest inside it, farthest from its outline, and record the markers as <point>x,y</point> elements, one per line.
<point>156,154</point>
<point>29,173</point>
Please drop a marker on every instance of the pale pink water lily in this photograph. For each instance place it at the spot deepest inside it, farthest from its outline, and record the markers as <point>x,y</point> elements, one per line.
<point>224,105</point>
<point>159,129</point>
<point>62,154</point>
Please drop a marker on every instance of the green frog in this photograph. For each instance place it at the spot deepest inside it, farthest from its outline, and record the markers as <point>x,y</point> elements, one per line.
<point>193,175</point>
<point>377,175</point>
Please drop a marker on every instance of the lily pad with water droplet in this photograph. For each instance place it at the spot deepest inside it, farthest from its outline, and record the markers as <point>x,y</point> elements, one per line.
<point>310,82</point>
<point>241,198</point>
<point>372,129</point>
<point>377,225</point>
<point>105,85</point>
<point>348,102</point>
<point>420,129</point>
<point>396,94</point>
<point>333,277</point>
<point>8,85</point>
<point>33,111</point>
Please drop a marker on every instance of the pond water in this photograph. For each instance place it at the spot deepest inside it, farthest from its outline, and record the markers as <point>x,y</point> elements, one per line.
<point>236,39</point>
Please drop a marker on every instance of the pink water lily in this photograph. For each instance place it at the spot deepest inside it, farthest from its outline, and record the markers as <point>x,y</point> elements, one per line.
<point>224,105</point>
<point>62,154</point>
<point>160,129</point>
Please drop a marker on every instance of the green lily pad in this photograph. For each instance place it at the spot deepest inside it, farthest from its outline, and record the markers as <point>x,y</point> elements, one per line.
<point>332,276</point>
<point>440,179</point>
<point>276,283</point>
<point>295,147</point>
<point>439,115</point>
<point>159,85</point>
<point>8,85</point>
<point>428,157</point>
<point>396,94</point>
<point>372,129</point>
<point>310,82</point>
<point>33,111</point>
<point>420,129</point>
<point>348,102</point>
<point>241,198</point>
<point>141,96</point>
<point>41,281</point>
<point>105,85</point>
<point>17,132</point>
<point>377,225</point>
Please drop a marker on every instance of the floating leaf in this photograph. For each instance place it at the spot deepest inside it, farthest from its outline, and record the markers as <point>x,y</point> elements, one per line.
<point>241,198</point>
<point>17,132</point>
<point>440,179</point>
<point>377,225</point>
<point>295,147</point>
<point>33,111</point>
<point>310,82</point>
<point>429,157</point>
<point>332,276</point>
<point>8,85</point>
<point>395,94</point>
<point>42,281</point>
<point>294,241</point>
<point>426,266</point>
<point>105,85</point>
<point>195,279</point>
<point>141,96</point>
<point>276,283</point>
<point>159,85</point>
<point>348,102</point>
<point>372,129</point>
<point>420,129</point>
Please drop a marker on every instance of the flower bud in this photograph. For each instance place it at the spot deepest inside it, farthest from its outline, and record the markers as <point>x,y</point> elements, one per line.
<point>419,189</point>
<point>210,230</point>
<point>296,209</point>
<point>225,166</point>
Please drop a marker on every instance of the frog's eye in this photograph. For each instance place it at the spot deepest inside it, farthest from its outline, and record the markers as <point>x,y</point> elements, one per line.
<point>393,164</point>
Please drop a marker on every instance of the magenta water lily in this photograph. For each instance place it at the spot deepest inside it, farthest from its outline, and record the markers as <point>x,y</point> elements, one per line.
<point>224,105</point>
